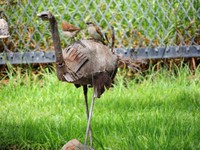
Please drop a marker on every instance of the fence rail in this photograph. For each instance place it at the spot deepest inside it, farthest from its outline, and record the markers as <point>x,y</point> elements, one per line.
<point>135,54</point>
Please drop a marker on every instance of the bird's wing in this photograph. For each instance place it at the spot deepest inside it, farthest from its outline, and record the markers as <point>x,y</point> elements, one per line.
<point>74,60</point>
<point>72,28</point>
<point>99,31</point>
<point>69,27</point>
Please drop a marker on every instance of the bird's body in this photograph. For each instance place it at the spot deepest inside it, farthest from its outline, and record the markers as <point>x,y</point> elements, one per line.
<point>83,63</point>
<point>70,34</point>
<point>95,32</point>
<point>88,63</point>
<point>69,30</point>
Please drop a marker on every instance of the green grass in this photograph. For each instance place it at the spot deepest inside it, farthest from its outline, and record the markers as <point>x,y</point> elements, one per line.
<point>160,111</point>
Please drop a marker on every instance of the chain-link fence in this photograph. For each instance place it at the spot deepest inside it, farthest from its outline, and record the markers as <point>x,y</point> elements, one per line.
<point>137,23</point>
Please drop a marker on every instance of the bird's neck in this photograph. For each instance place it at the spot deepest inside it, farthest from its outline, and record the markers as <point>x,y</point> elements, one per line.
<point>60,64</point>
<point>56,41</point>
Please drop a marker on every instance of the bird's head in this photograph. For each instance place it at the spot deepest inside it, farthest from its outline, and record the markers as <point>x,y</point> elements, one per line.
<point>65,25</point>
<point>90,23</point>
<point>45,15</point>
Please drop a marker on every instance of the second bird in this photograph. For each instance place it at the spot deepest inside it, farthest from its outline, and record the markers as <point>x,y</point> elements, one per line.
<point>95,32</point>
<point>70,30</point>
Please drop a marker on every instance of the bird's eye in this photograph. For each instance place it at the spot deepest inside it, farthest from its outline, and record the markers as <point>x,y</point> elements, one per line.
<point>45,17</point>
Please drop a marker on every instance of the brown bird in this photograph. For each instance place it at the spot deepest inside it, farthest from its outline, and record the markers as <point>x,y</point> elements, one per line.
<point>95,32</point>
<point>70,30</point>
<point>88,64</point>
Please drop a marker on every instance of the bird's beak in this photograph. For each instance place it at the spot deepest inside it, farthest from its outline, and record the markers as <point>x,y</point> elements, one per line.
<point>44,15</point>
<point>39,15</point>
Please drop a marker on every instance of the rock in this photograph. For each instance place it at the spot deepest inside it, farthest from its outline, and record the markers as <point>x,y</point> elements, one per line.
<point>75,145</point>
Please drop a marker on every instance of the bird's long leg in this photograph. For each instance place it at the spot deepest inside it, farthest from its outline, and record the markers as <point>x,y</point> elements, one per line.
<point>85,89</point>
<point>89,120</point>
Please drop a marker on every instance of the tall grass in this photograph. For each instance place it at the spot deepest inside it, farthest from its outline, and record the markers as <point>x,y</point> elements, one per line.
<point>161,111</point>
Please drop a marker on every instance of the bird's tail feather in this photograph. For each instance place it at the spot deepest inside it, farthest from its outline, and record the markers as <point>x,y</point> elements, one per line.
<point>131,64</point>
<point>113,39</point>
<point>101,82</point>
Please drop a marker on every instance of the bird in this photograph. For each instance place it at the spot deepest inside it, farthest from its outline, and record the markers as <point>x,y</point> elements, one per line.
<point>70,30</point>
<point>90,64</point>
<point>95,32</point>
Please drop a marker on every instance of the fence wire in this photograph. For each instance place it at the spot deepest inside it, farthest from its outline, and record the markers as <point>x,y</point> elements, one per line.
<point>137,23</point>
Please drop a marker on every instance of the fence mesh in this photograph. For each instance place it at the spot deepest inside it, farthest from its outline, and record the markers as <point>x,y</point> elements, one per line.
<point>137,23</point>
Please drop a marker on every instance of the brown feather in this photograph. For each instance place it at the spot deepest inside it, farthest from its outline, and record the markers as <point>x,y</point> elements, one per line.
<point>69,27</point>
<point>101,82</point>
<point>99,31</point>
<point>92,65</point>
